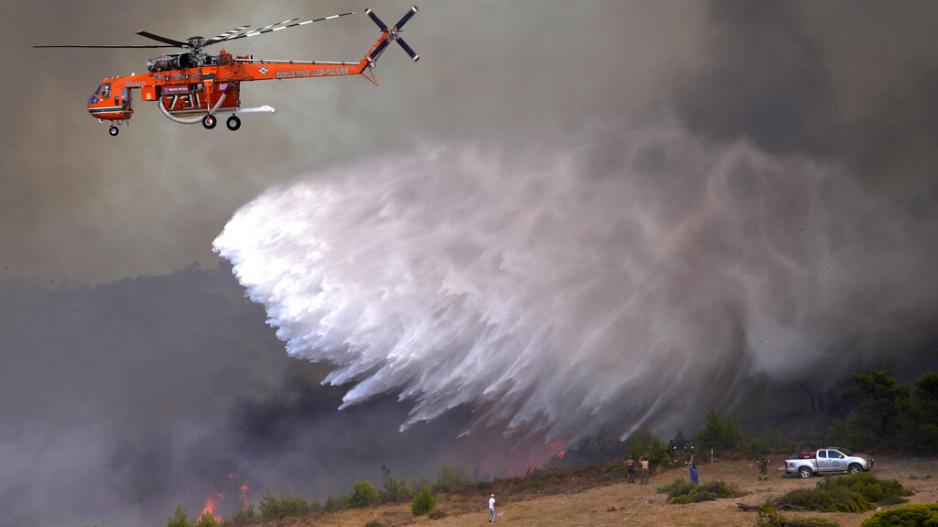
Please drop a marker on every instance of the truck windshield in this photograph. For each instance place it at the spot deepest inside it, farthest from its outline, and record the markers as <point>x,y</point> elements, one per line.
<point>845,452</point>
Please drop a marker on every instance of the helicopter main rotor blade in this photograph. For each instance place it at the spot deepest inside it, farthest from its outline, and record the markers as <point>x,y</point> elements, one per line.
<point>109,46</point>
<point>293,22</point>
<point>165,40</point>
<point>230,33</point>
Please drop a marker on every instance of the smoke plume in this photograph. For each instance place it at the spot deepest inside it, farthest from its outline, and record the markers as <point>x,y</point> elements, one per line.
<point>638,276</point>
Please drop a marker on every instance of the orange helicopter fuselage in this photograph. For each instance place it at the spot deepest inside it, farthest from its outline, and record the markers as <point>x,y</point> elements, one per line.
<point>199,89</point>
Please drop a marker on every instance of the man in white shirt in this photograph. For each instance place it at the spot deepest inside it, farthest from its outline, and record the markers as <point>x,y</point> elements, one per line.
<point>492,508</point>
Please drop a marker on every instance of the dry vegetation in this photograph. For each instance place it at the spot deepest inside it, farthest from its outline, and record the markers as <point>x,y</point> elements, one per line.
<point>581,501</point>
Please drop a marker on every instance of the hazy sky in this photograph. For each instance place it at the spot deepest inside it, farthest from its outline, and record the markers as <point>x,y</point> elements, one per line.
<point>851,80</point>
<point>160,387</point>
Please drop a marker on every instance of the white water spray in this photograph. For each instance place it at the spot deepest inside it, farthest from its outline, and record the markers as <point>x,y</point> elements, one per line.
<point>642,274</point>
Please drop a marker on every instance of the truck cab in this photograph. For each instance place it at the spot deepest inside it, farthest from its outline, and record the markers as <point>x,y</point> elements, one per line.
<point>828,460</point>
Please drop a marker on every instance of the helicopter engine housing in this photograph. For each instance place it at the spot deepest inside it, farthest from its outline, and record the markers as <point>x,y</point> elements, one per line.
<point>169,62</point>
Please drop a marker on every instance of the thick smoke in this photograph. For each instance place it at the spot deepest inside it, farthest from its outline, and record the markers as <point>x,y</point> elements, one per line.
<point>641,273</point>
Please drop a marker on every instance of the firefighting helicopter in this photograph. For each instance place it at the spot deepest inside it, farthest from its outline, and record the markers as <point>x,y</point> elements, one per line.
<point>193,86</point>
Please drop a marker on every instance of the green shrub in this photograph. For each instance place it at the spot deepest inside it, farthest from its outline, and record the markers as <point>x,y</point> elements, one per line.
<point>423,502</point>
<point>919,425</point>
<point>644,443</point>
<point>243,517</point>
<point>887,491</point>
<point>530,485</point>
<point>398,490</point>
<point>770,517</point>
<point>720,433</point>
<point>451,479</point>
<point>334,504</point>
<point>179,518</point>
<point>683,491</point>
<point>274,508</point>
<point>364,494</point>
<point>679,487</point>
<point>762,444</point>
<point>918,515</point>
<point>207,520</point>
<point>838,499</point>
<point>810,522</point>
<point>877,418</point>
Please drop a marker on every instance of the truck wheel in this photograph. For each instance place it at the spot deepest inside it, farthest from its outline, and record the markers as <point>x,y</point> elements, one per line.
<point>854,468</point>
<point>804,472</point>
<point>113,130</point>
<point>209,122</point>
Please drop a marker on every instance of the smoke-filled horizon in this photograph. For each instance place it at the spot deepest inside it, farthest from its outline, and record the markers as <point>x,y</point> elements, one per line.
<point>640,275</point>
<point>604,238</point>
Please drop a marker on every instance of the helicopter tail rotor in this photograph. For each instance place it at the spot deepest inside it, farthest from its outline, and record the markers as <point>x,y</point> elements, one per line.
<point>392,34</point>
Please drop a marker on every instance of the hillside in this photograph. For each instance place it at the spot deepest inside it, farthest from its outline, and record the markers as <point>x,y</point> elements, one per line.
<point>620,503</point>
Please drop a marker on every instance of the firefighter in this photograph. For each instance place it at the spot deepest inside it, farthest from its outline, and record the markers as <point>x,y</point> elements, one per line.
<point>763,465</point>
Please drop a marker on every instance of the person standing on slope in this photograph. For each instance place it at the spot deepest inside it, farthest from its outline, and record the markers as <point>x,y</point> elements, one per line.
<point>644,464</point>
<point>630,469</point>
<point>492,508</point>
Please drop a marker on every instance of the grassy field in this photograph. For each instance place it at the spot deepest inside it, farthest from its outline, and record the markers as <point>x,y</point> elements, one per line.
<point>619,503</point>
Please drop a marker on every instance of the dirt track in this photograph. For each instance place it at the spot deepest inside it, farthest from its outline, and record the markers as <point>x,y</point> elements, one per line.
<point>636,505</point>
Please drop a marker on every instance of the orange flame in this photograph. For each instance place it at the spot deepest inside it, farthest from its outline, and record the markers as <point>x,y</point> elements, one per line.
<point>244,495</point>
<point>211,503</point>
<point>557,448</point>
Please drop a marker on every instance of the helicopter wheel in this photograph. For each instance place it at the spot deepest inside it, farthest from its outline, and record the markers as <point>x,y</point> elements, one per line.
<point>113,130</point>
<point>209,122</point>
<point>233,123</point>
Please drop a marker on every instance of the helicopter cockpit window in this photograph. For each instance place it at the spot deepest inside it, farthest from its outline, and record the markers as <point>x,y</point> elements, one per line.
<point>105,91</point>
<point>94,96</point>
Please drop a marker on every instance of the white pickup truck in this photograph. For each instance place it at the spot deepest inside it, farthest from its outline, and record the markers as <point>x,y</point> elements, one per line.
<point>828,460</point>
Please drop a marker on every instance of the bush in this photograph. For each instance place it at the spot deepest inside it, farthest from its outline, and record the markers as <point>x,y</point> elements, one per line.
<point>876,418</point>
<point>919,424</point>
<point>364,494</point>
<point>335,504</point>
<point>683,491</point>
<point>423,502</point>
<point>838,499</point>
<point>179,518</point>
<point>770,517</point>
<point>644,443</point>
<point>920,514</point>
<point>437,515</point>
<point>531,485</point>
<point>720,433</point>
<point>398,490</point>
<point>451,478</point>
<point>876,491</point>
<point>766,443</point>
<point>243,517</point>
<point>679,487</point>
<point>274,508</point>
<point>207,520</point>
